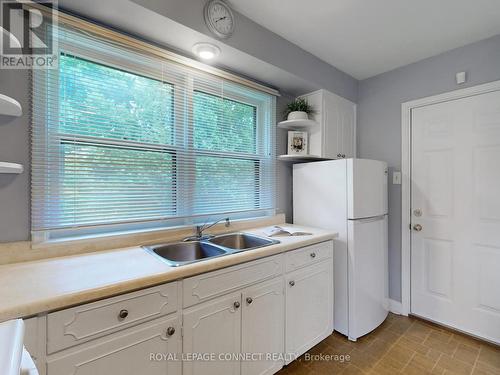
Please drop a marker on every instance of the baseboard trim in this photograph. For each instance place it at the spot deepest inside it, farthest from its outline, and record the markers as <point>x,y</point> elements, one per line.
<point>396,307</point>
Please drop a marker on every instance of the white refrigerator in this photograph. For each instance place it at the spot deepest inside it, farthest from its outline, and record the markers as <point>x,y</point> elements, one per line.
<point>349,196</point>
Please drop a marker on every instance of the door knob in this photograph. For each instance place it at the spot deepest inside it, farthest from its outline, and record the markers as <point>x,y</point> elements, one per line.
<point>292,283</point>
<point>417,227</point>
<point>249,300</point>
<point>170,331</point>
<point>236,305</point>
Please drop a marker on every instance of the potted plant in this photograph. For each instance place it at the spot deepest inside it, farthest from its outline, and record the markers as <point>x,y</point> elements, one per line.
<point>299,109</point>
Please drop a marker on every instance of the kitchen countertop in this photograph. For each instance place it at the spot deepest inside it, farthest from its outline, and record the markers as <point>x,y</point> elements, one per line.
<point>34,287</point>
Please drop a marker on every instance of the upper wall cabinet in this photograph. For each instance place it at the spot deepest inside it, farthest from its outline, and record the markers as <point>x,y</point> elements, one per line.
<point>335,137</point>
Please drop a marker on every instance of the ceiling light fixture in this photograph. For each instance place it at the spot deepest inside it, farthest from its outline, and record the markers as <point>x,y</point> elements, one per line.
<point>206,51</point>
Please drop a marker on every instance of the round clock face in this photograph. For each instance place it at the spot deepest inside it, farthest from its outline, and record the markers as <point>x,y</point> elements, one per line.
<point>219,18</point>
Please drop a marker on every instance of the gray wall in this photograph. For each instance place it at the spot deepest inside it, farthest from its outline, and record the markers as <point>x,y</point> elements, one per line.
<point>15,148</point>
<point>379,116</point>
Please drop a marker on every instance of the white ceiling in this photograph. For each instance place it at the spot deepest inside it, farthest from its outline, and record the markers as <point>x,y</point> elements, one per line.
<point>367,37</point>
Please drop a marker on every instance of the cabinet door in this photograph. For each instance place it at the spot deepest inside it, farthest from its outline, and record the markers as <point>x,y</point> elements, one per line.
<point>263,327</point>
<point>309,307</point>
<point>347,124</point>
<point>126,353</point>
<point>339,127</point>
<point>332,128</point>
<point>213,328</point>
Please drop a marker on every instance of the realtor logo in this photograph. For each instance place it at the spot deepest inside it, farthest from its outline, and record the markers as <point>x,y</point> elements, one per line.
<point>28,34</point>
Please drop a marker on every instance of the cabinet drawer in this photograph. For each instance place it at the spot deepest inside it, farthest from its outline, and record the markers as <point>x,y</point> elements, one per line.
<point>126,352</point>
<point>79,324</point>
<point>212,284</point>
<point>308,255</point>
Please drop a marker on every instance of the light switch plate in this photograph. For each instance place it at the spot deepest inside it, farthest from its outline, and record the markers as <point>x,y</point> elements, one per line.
<point>396,178</point>
<point>461,78</point>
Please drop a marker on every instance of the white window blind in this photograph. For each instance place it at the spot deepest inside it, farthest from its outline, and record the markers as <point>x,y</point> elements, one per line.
<point>123,140</point>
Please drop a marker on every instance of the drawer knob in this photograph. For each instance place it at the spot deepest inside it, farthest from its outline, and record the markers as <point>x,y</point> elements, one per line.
<point>313,255</point>
<point>236,305</point>
<point>123,314</point>
<point>291,282</point>
<point>249,300</point>
<point>170,331</point>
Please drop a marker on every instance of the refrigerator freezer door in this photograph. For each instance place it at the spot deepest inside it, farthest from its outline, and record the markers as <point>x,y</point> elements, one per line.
<point>319,194</point>
<point>368,275</point>
<point>367,188</point>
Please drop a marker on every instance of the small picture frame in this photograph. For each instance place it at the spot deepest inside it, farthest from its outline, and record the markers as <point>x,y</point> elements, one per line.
<point>297,142</point>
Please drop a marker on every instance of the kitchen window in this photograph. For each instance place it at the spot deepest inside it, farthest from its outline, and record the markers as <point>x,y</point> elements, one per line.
<point>125,141</point>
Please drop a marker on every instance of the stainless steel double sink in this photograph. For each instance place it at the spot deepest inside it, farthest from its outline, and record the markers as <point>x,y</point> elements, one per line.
<point>182,253</point>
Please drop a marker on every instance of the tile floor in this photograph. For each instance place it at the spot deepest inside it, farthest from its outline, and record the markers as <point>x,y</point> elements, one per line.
<point>401,345</point>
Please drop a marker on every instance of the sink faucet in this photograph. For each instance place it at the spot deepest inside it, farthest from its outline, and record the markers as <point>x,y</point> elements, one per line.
<point>201,228</point>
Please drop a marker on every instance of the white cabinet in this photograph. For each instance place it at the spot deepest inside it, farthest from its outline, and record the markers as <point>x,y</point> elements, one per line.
<point>309,307</point>
<point>335,137</point>
<point>126,353</point>
<point>213,328</point>
<point>249,313</point>
<point>263,326</point>
<point>249,321</point>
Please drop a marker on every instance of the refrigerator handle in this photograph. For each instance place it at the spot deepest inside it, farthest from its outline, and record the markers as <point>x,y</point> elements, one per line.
<point>369,219</point>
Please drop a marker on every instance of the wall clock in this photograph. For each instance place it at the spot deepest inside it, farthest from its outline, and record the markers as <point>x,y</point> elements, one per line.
<point>219,18</point>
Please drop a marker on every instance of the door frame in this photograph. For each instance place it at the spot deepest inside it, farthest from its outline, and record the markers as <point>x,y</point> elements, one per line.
<point>406,109</point>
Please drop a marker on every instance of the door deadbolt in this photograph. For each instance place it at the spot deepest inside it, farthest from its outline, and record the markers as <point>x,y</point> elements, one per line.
<point>417,212</point>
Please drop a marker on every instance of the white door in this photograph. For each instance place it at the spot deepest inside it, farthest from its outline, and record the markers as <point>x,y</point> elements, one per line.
<point>213,328</point>
<point>455,251</point>
<point>126,353</point>
<point>262,329</point>
<point>368,275</point>
<point>309,307</point>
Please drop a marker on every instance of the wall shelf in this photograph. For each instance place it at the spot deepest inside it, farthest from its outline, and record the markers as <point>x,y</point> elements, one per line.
<point>301,158</point>
<point>297,124</point>
<point>9,106</point>
<point>12,168</point>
